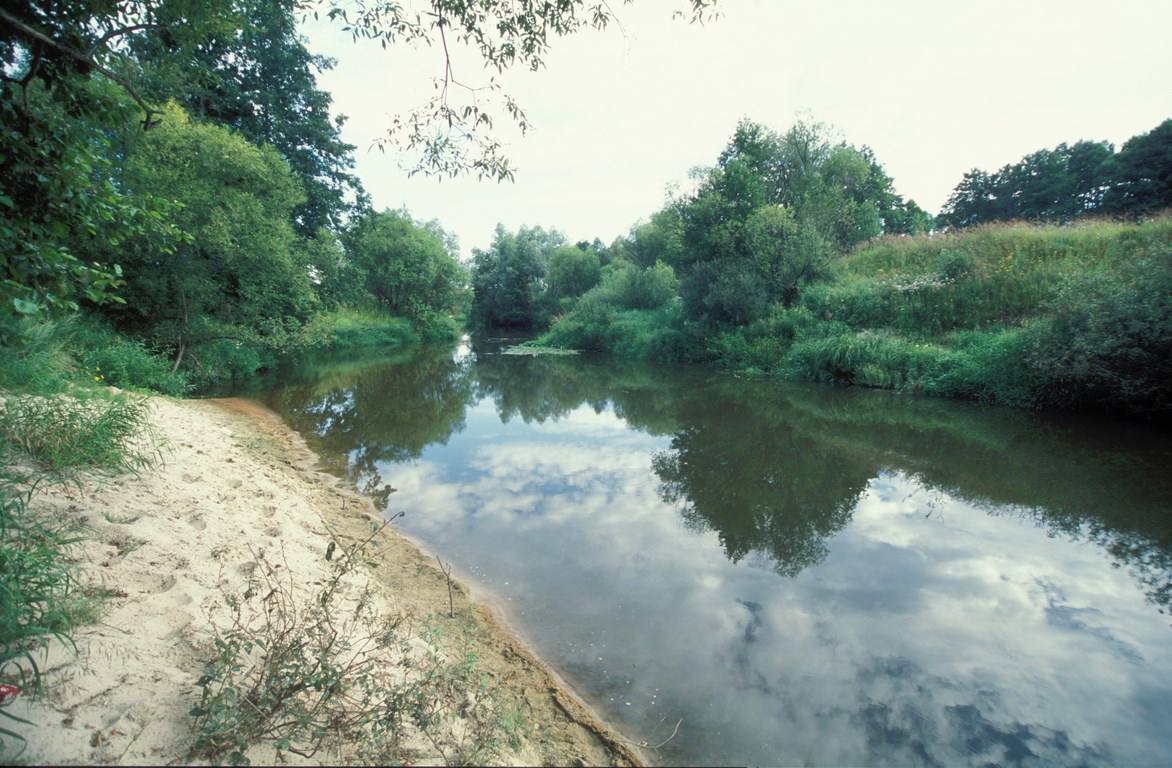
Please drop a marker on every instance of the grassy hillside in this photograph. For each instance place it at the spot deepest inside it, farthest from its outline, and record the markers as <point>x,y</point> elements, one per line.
<point>1023,315</point>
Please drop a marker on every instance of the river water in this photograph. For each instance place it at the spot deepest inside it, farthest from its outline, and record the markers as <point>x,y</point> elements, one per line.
<point>795,575</point>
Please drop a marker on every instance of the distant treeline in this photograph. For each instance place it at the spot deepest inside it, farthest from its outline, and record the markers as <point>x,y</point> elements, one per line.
<point>1066,182</point>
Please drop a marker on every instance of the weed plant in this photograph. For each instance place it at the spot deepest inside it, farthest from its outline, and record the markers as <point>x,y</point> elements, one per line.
<point>307,673</point>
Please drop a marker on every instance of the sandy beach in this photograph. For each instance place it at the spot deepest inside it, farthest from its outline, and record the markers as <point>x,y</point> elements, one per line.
<point>239,494</point>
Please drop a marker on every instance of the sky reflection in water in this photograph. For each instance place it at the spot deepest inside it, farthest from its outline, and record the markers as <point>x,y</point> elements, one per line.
<point>803,575</point>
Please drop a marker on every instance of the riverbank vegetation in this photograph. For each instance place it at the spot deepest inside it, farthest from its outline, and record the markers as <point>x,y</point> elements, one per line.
<point>794,257</point>
<point>218,231</point>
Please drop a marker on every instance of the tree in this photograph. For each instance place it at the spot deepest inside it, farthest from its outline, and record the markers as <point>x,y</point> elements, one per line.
<point>1069,181</point>
<point>785,254</point>
<point>404,265</point>
<point>973,201</point>
<point>237,274</point>
<point>1143,173</point>
<point>63,216</point>
<point>63,97</point>
<point>811,193</point>
<point>572,271</point>
<point>508,280</point>
<point>259,78</point>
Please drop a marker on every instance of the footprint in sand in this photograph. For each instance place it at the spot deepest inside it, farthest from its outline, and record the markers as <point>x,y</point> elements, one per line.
<point>156,585</point>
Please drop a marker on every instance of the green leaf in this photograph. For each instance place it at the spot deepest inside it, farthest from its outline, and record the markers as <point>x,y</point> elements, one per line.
<point>25,307</point>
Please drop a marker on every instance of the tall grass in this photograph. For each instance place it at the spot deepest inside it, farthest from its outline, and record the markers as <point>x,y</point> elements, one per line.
<point>49,357</point>
<point>63,433</point>
<point>46,440</point>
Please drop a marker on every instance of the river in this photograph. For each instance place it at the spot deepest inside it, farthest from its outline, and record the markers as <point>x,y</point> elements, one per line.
<point>782,574</point>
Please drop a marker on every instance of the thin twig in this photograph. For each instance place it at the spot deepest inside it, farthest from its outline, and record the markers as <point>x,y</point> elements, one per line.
<point>447,572</point>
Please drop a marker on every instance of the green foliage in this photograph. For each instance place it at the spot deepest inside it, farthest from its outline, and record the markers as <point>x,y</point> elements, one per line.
<point>765,220</point>
<point>599,325</point>
<point>48,357</point>
<point>45,440</point>
<point>62,433</point>
<point>1108,339</point>
<point>353,329</point>
<point>1142,174</point>
<point>785,255</point>
<point>406,266</point>
<point>237,276</point>
<point>1028,316</point>
<point>34,358</point>
<point>1070,181</point>
<point>337,281</point>
<point>115,359</point>
<point>261,81</point>
<point>63,217</point>
<point>627,286</point>
<point>508,279</point>
<point>39,594</point>
<point>572,271</point>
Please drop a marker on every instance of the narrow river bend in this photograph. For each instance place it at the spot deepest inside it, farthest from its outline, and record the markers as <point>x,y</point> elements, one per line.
<point>803,575</point>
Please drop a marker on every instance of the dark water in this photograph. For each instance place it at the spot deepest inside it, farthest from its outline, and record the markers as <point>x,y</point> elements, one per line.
<point>803,575</point>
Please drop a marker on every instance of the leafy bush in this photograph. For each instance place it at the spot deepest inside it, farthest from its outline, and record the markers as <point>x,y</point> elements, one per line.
<point>34,357</point>
<point>1109,338</point>
<point>115,359</point>
<point>48,357</point>
<point>990,366</point>
<point>348,328</point>
<point>867,358</point>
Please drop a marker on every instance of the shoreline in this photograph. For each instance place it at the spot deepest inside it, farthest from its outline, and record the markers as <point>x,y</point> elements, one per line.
<point>489,610</point>
<point>171,549</point>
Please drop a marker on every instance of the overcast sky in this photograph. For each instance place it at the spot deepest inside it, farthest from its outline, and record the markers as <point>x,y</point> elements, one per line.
<point>934,87</point>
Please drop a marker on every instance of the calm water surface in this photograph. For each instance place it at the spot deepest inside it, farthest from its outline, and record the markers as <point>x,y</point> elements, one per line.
<point>803,575</point>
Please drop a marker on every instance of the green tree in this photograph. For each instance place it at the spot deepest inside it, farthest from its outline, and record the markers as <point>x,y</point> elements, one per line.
<point>508,279</point>
<point>817,193</point>
<point>259,78</point>
<point>405,266</point>
<point>785,254</point>
<point>237,275</point>
<point>336,279</point>
<point>572,271</point>
<point>63,216</point>
<point>1142,180</point>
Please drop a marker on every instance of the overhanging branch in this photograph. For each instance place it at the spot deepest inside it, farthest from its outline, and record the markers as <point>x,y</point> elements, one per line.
<point>35,35</point>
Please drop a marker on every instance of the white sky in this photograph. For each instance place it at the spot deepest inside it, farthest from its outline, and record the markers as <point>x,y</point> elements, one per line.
<point>934,87</point>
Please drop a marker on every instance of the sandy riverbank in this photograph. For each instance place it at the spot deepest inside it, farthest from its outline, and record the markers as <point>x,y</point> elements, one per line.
<point>169,547</point>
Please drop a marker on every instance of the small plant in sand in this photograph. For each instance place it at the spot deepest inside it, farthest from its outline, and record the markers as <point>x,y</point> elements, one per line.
<point>323,673</point>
